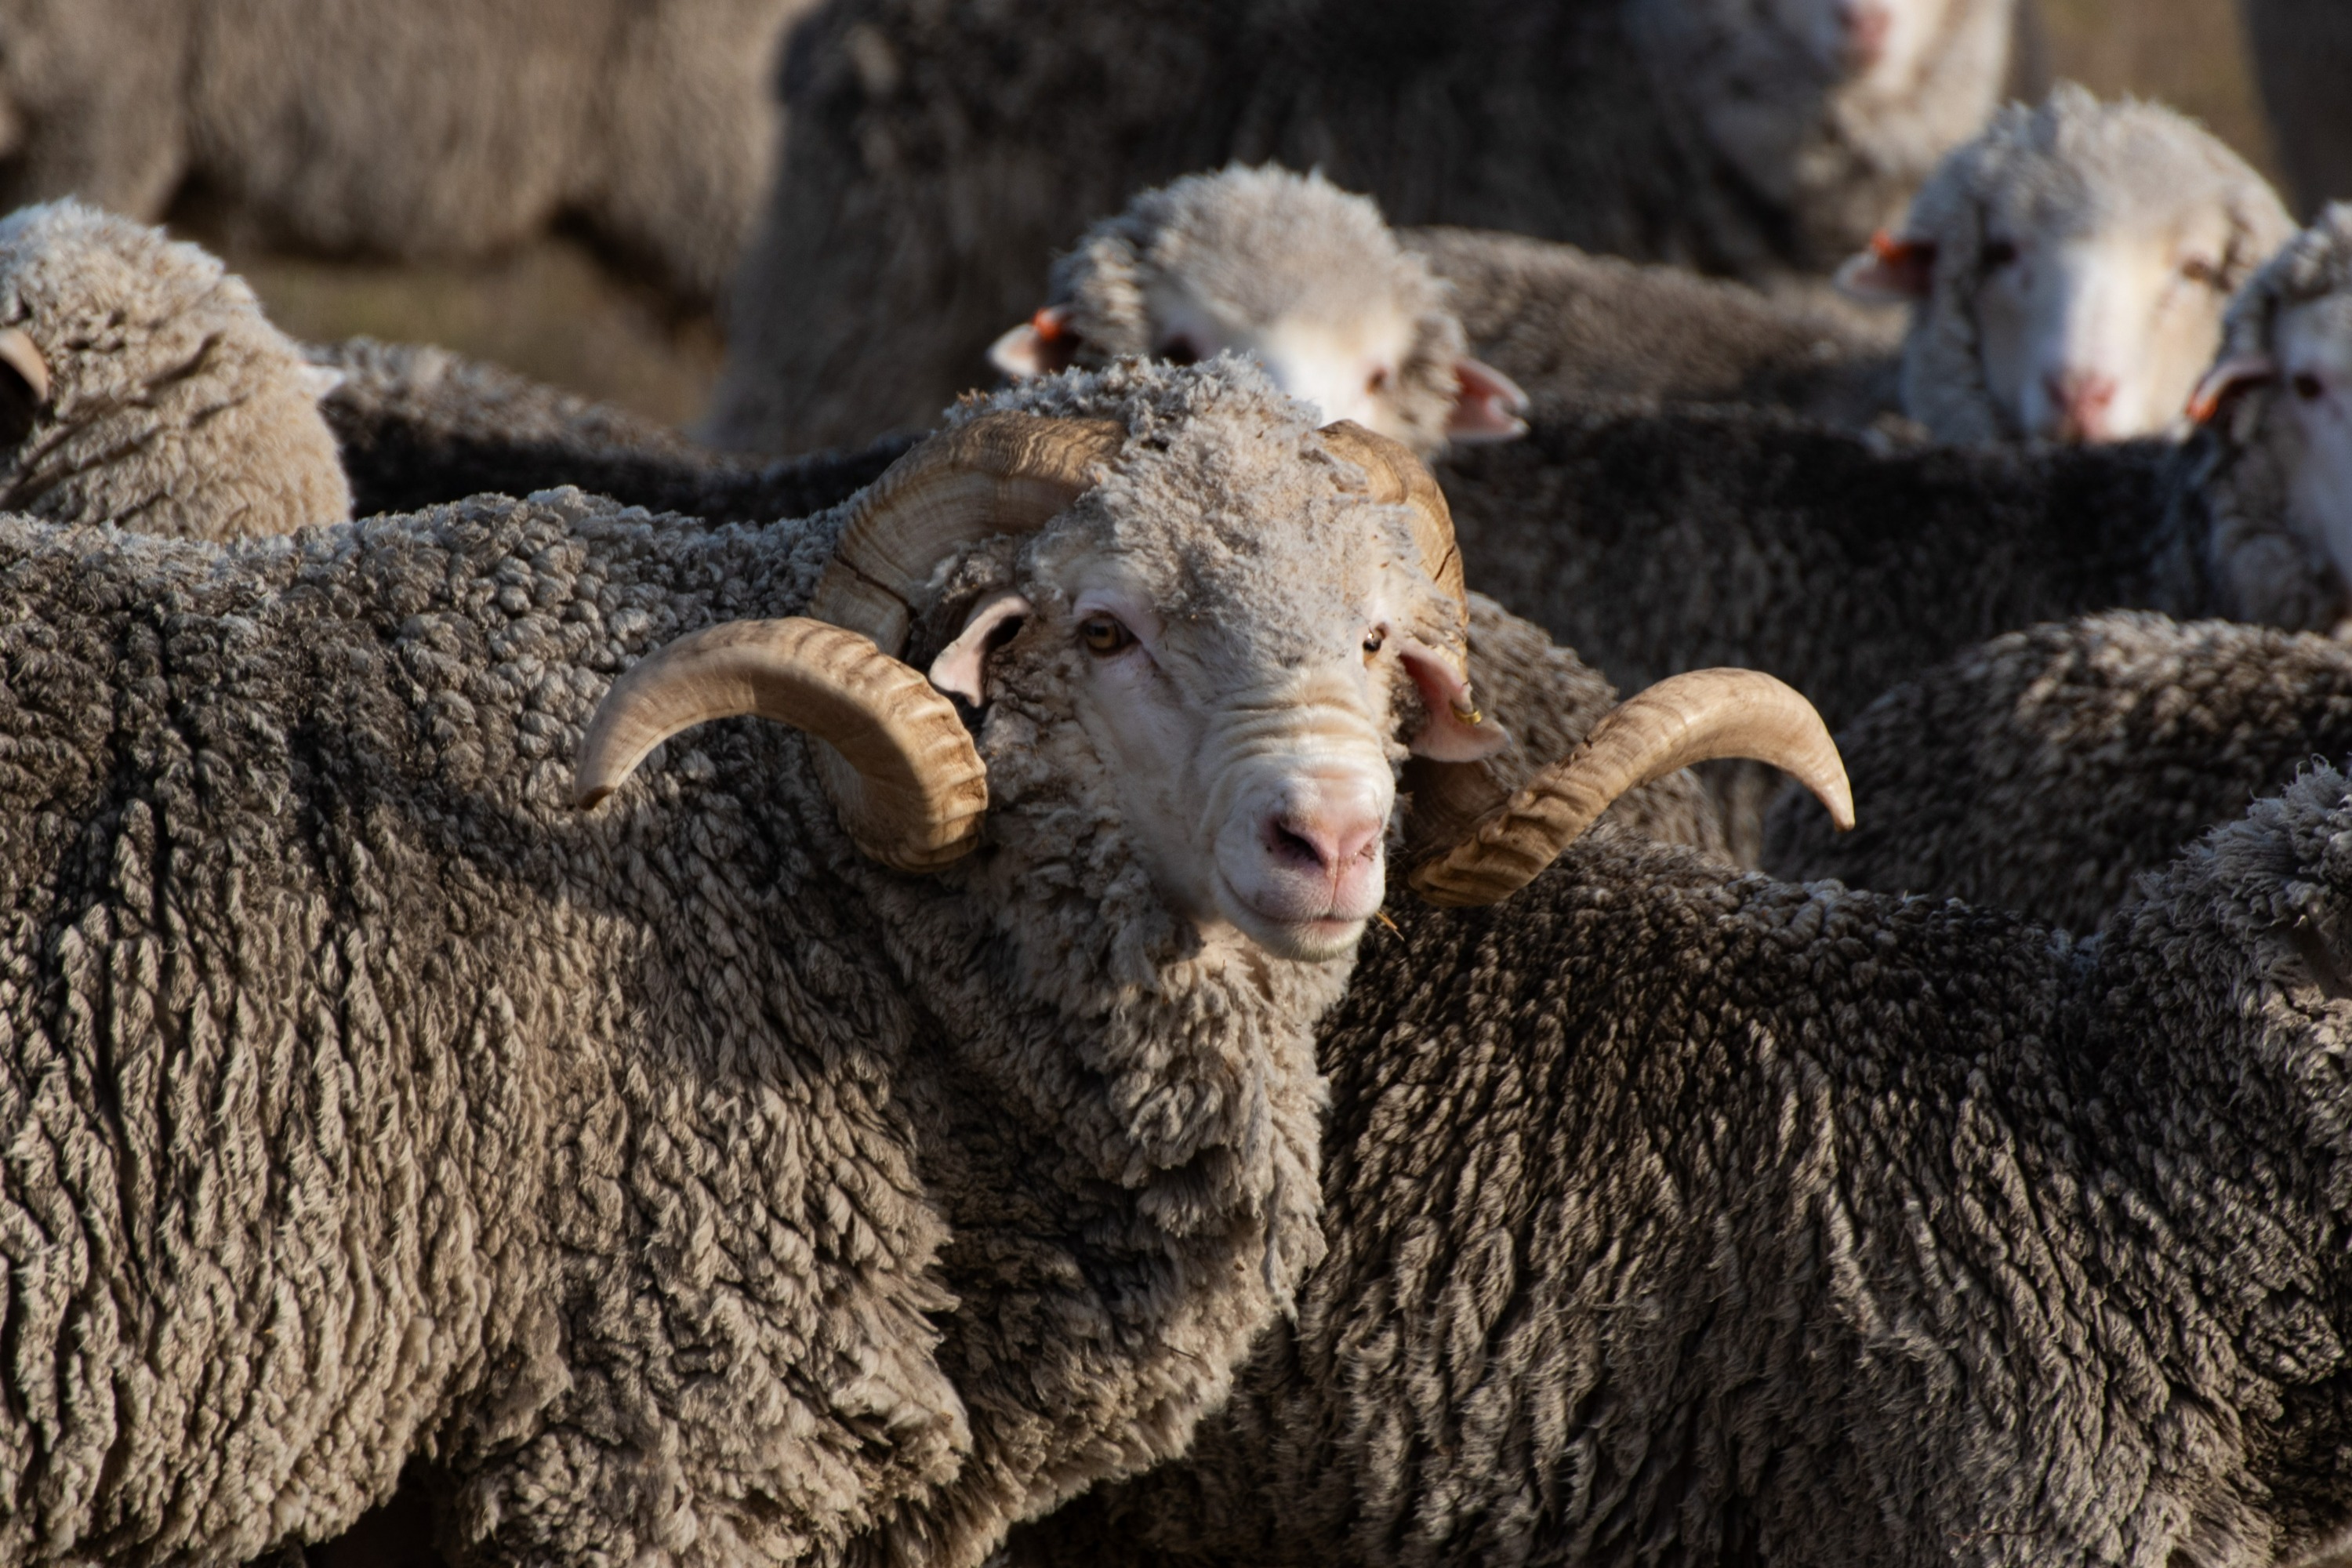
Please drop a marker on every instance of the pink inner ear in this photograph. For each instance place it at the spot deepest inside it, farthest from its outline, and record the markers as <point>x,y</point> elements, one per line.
<point>2225,381</point>
<point>1454,731</point>
<point>961,666</point>
<point>1487,405</point>
<point>1891,271</point>
<point>1038,346</point>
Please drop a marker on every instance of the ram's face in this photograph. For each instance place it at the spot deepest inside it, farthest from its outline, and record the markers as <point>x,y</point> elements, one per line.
<point>1349,364</point>
<point>2096,328</point>
<point>1246,687</point>
<point>1882,43</point>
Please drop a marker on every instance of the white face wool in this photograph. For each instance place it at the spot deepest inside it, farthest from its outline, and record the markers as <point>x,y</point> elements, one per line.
<point>2313,412</point>
<point>1879,46</point>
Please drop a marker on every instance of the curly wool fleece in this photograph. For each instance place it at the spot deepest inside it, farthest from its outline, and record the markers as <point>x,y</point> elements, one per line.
<point>174,408</point>
<point>685,1187</point>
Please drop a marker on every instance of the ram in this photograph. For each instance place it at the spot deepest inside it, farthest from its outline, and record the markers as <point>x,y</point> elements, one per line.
<point>2068,269</point>
<point>1676,1216</point>
<point>937,155</point>
<point>818,1149</point>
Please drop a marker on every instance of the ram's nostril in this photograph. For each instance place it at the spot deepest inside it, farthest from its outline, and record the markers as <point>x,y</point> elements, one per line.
<point>1288,844</point>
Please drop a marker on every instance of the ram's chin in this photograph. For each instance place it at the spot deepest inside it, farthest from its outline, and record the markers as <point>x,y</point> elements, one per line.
<point>1302,941</point>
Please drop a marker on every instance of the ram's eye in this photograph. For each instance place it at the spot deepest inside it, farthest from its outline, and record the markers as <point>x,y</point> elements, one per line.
<point>2197,270</point>
<point>1998,253</point>
<point>1104,634</point>
<point>2307,386</point>
<point>1378,381</point>
<point>1373,642</point>
<point>1179,350</point>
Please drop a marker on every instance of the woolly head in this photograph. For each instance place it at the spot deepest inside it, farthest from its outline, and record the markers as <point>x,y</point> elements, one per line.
<point>1201,635</point>
<point>2068,271</point>
<point>141,386</point>
<point>2281,389</point>
<point>1285,270</point>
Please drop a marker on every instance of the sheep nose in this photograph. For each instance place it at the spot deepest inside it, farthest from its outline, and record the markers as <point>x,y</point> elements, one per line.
<point>2081,400</point>
<point>1330,842</point>
<point>1866,26</point>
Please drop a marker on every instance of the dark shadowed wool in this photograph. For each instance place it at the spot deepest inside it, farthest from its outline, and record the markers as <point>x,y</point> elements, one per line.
<point>1681,1218</point>
<point>2047,769</point>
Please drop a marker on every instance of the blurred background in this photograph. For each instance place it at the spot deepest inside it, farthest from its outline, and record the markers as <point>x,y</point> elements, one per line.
<point>564,311</point>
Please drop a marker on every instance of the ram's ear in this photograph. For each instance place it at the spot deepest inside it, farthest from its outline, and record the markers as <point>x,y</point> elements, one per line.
<point>1487,405</point>
<point>1891,272</point>
<point>1038,346</point>
<point>2226,380</point>
<point>1456,731</point>
<point>961,667</point>
<point>321,381</point>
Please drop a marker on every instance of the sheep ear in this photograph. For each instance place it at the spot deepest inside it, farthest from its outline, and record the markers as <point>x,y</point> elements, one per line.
<point>321,381</point>
<point>1487,405</point>
<point>2225,381</point>
<point>1457,731</point>
<point>960,668</point>
<point>24,385</point>
<point>1039,346</point>
<point>1891,272</point>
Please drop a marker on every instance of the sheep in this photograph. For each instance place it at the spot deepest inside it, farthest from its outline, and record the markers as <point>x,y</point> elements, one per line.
<point>450,129</point>
<point>141,386</point>
<point>2301,48</point>
<point>937,155</point>
<point>1675,1217</point>
<point>2068,270</point>
<point>420,425</point>
<point>2045,770</point>
<point>1288,271</point>
<point>1311,282</point>
<point>807,1153</point>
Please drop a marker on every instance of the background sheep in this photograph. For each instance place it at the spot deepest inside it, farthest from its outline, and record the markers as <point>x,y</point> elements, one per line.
<point>141,386</point>
<point>2275,467</point>
<point>2047,769</point>
<point>2069,269</point>
<point>938,157</point>
<point>419,426</point>
<point>686,1182</point>
<point>1675,1218</point>
<point>2301,49</point>
<point>431,128</point>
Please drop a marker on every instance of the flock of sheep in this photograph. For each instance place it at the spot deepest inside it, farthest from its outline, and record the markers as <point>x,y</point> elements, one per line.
<point>1200,1030</point>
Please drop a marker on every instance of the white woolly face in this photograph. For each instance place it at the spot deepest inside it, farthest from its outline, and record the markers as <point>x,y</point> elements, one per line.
<point>1879,46</point>
<point>1347,369</point>
<point>2101,335</point>
<point>2313,412</point>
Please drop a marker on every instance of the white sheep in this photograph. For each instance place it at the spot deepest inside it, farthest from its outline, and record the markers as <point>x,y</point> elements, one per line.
<point>2068,270</point>
<point>140,386</point>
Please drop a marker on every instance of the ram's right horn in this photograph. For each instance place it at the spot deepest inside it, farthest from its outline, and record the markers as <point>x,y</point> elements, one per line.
<point>1684,720</point>
<point>914,790</point>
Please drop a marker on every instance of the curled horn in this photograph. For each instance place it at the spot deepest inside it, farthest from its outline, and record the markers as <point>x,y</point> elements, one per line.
<point>898,764</point>
<point>1400,478</point>
<point>1684,720</point>
<point>1002,473</point>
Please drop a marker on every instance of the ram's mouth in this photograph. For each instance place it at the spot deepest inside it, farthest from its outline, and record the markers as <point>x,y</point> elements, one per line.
<point>1311,939</point>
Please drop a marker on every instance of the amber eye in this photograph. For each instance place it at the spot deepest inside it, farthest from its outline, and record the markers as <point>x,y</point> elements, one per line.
<point>2308,387</point>
<point>2197,270</point>
<point>1998,253</point>
<point>1378,381</point>
<point>1372,641</point>
<point>1104,634</point>
<point>1180,350</point>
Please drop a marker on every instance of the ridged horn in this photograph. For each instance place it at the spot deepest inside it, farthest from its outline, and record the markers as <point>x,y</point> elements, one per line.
<point>1002,473</point>
<point>913,791</point>
<point>1684,720</point>
<point>1398,477</point>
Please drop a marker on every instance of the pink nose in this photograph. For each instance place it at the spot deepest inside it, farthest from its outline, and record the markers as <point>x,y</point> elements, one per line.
<point>1328,844</point>
<point>2081,399</point>
<point>1866,26</point>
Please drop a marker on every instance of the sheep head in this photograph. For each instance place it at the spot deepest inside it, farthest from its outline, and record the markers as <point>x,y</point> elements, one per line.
<point>2069,271</point>
<point>1228,637</point>
<point>2280,387</point>
<point>1284,269</point>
